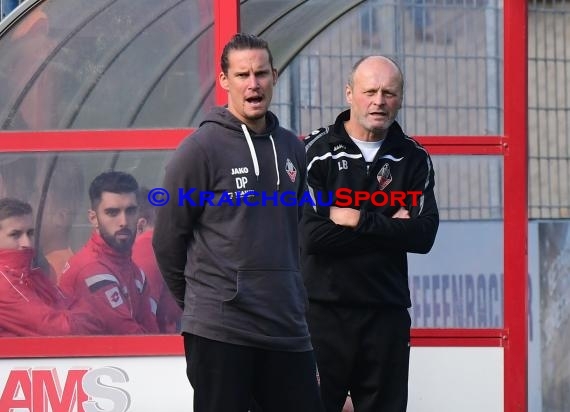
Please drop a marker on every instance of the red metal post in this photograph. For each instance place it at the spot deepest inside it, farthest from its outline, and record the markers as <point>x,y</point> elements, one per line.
<point>516,205</point>
<point>226,24</point>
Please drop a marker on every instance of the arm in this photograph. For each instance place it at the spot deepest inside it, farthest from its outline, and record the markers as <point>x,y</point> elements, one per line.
<point>321,235</point>
<point>336,233</point>
<point>101,292</point>
<point>168,312</point>
<point>361,231</point>
<point>40,309</point>
<point>416,234</point>
<point>147,308</point>
<point>412,229</point>
<point>175,222</point>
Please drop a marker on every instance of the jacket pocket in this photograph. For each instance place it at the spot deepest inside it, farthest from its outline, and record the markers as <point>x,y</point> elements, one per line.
<point>269,302</point>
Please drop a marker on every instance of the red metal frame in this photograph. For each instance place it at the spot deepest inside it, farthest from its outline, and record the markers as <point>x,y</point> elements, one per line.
<point>169,139</point>
<point>167,345</point>
<point>516,205</point>
<point>92,346</point>
<point>226,24</point>
<point>463,145</point>
<point>111,140</point>
<point>458,337</point>
<point>75,140</point>
<point>513,146</point>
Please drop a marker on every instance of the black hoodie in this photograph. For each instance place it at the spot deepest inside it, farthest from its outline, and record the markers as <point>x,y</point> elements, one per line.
<point>235,268</point>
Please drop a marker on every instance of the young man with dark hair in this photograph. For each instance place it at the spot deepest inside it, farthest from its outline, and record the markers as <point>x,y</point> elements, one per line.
<point>102,272</point>
<point>31,305</point>
<point>235,268</point>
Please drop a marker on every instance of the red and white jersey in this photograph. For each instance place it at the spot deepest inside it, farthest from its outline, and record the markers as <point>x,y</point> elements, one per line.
<point>30,305</point>
<point>113,286</point>
<point>168,312</point>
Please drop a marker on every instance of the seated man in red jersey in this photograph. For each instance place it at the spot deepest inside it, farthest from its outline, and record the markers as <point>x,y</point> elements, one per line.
<point>102,272</point>
<point>168,312</point>
<point>31,305</point>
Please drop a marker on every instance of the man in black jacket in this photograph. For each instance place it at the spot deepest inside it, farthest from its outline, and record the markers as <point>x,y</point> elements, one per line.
<point>355,256</point>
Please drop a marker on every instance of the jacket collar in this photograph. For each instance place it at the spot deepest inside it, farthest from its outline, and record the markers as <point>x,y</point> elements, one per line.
<point>339,134</point>
<point>17,261</point>
<point>101,247</point>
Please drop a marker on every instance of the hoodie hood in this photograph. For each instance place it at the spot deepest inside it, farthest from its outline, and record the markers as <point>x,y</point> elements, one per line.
<point>223,117</point>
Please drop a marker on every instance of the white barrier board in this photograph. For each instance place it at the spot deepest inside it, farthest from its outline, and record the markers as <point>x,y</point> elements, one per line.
<point>441,379</point>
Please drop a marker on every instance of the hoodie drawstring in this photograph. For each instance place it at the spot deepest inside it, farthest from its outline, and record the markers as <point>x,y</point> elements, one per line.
<point>251,150</point>
<point>254,154</point>
<point>275,157</point>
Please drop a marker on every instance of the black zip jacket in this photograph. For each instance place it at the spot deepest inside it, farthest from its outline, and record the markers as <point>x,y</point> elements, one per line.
<point>366,266</point>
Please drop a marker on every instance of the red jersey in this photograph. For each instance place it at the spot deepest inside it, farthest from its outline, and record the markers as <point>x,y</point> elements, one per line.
<point>30,305</point>
<point>168,312</point>
<point>113,286</point>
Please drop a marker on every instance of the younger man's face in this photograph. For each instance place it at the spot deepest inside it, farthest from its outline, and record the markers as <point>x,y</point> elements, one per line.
<point>17,232</point>
<point>115,218</point>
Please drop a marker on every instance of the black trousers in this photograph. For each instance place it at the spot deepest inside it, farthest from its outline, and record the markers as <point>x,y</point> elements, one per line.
<point>234,378</point>
<point>364,351</point>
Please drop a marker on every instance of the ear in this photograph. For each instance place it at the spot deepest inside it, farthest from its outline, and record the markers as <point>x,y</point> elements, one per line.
<point>223,79</point>
<point>275,76</point>
<point>92,217</point>
<point>348,94</point>
<point>141,225</point>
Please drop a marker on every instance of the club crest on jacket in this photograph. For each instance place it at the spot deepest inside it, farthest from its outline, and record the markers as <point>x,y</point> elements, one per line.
<point>384,176</point>
<point>290,169</point>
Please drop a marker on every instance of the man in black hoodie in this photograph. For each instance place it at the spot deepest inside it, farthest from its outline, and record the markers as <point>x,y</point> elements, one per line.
<point>354,257</point>
<point>234,267</point>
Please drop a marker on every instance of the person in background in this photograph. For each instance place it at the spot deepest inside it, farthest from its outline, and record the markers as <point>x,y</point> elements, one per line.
<point>31,305</point>
<point>422,20</point>
<point>235,268</point>
<point>168,312</point>
<point>354,258</point>
<point>424,30</point>
<point>57,210</point>
<point>17,174</point>
<point>420,13</point>
<point>102,273</point>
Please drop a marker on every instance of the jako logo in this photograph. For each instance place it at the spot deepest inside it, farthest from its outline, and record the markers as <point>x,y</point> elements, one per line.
<point>39,390</point>
<point>239,170</point>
